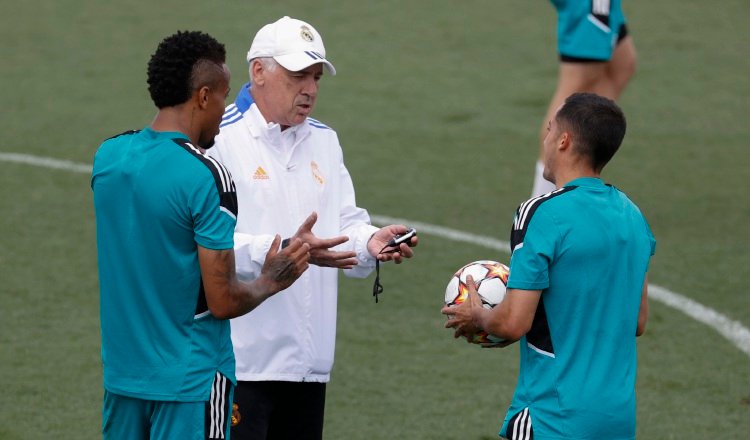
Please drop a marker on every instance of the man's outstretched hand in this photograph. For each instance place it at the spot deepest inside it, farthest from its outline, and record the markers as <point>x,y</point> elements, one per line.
<point>320,248</point>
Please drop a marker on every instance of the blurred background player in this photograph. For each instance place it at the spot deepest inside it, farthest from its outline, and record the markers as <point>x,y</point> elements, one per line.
<point>577,291</point>
<point>165,217</point>
<point>287,166</point>
<point>596,55</point>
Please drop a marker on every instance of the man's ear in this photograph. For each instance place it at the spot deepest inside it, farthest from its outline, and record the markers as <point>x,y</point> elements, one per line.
<point>257,73</point>
<point>202,96</point>
<point>564,141</point>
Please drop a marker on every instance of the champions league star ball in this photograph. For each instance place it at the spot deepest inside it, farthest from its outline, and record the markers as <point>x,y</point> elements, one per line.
<point>490,278</point>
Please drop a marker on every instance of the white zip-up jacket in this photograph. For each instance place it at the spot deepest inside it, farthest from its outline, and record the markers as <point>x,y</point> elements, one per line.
<point>282,177</point>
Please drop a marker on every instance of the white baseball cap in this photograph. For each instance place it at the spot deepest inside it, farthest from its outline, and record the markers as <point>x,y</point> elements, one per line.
<point>293,43</point>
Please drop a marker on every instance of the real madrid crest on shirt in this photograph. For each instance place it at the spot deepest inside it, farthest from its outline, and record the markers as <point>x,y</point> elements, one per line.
<point>236,416</point>
<point>317,175</point>
<point>306,34</point>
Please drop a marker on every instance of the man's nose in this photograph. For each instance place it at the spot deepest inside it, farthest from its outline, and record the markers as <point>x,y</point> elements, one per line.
<point>310,86</point>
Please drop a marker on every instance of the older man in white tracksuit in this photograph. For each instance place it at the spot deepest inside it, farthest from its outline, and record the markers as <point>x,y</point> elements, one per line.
<point>291,180</point>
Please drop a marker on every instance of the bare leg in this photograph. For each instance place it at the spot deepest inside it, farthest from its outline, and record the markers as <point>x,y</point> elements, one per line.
<point>620,69</point>
<point>607,79</point>
<point>572,78</point>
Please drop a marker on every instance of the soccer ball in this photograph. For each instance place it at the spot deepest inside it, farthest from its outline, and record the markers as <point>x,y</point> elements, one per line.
<point>490,278</point>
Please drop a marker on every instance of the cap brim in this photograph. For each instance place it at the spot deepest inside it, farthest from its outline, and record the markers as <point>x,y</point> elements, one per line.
<point>302,60</point>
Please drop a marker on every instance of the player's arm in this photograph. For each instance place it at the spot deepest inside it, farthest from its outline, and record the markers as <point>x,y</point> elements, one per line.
<point>227,297</point>
<point>510,320</point>
<point>643,312</point>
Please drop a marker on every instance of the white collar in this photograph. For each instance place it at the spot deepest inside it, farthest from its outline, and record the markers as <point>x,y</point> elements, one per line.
<point>271,132</point>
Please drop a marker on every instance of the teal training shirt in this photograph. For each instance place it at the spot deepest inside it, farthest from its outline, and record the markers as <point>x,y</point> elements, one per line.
<point>587,247</point>
<point>156,198</point>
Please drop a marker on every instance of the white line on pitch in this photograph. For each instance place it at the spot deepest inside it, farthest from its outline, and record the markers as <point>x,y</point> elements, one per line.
<point>732,330</point>
<point>45,162</point>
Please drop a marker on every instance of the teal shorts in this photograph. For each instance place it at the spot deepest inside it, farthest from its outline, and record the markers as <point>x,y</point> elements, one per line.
<point>588,30</point>
<point>128,418</point>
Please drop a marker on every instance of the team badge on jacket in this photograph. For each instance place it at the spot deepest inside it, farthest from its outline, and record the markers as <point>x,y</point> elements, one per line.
<point>317,175</point>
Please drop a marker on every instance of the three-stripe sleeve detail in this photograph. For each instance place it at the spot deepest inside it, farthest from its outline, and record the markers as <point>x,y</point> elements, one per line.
<point>538,337</point>
<point>222,177</point>
<point>524,213</point>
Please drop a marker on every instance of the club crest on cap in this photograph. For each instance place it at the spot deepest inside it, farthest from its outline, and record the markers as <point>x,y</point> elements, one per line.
<point>306,34</point>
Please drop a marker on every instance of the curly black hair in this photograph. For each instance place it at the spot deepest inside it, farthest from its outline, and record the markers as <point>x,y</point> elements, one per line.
<point>171,69</point>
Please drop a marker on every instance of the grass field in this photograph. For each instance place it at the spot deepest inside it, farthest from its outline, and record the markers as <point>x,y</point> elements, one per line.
<point>437,104</point>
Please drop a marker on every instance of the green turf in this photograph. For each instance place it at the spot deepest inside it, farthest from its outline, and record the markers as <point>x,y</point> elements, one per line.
<point>437,104</point>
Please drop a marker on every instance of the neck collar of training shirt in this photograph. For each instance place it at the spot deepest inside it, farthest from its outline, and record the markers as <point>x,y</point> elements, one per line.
<point>166,134</point>
<point>586,181</point>
<point>244,99</point>
<point>271,132</point>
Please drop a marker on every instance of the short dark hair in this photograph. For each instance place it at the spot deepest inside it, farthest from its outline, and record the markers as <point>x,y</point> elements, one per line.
<point>179,64</point>
<point>597,124</point>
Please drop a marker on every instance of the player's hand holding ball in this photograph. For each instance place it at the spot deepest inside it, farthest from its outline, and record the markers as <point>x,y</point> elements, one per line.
<point>477,285</point>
